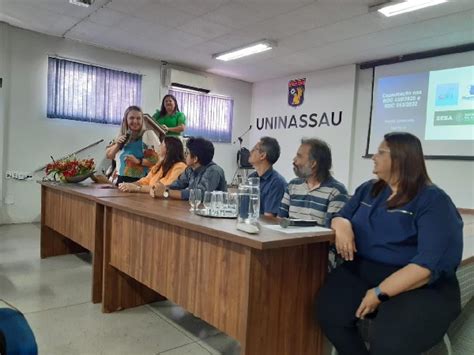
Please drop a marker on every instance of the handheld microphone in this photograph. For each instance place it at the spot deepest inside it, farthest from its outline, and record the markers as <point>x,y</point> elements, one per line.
<point>127,137</point>
<point>287,222</point>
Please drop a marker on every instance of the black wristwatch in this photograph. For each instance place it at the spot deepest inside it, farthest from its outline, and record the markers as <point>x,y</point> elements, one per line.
<point>382,296</point>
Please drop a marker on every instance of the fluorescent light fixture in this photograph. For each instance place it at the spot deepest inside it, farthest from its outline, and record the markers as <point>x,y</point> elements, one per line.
<point>392,9</point>
<point>83,3</point>
<point>254,48</point>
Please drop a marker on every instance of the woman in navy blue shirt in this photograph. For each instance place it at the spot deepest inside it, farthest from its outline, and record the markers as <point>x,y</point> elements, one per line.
<point>401,237</point>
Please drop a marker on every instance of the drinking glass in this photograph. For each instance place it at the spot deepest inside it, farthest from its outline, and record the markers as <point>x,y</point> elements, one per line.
<point>253,181</point>
<point>232,203</point>
<point>225,202</point>
<point>216,203</point>
<point>207,201</point>
<point>192,199</point>
<point>197,198</point>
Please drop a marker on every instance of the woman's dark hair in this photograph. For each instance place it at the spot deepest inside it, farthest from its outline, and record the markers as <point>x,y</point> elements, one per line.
<point>163,112</point>
<point>321,154</point>
<point>408,164</point>
<point>201,148</point>
<point>174,153</point>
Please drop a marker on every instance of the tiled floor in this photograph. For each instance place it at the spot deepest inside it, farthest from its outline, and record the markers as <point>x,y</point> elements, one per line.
<point>54,294</point>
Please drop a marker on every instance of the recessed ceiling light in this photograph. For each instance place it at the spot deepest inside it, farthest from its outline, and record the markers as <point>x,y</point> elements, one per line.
<point>254,48</point>
<point>396,8</point>
<point>83,3</point>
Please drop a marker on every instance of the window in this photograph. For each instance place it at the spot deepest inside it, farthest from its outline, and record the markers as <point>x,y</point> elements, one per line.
<point>208,116</point>
<point>83,92</point>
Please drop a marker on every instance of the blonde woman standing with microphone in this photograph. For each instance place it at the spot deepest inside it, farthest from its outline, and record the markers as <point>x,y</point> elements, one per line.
<point>135,149</point>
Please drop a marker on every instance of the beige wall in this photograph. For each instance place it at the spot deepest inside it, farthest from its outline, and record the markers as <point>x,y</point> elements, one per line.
<point>29,137</point>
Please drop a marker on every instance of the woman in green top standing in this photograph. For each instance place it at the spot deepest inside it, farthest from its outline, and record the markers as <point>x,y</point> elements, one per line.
<point>170,116</point>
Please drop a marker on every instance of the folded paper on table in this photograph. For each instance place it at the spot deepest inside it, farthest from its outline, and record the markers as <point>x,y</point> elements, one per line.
<point>292,230</point>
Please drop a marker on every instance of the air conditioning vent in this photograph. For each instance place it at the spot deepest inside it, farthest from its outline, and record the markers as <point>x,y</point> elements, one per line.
<point>184,79</point>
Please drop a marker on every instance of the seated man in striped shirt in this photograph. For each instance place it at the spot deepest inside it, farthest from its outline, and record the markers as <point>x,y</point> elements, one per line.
<point>314,194</point>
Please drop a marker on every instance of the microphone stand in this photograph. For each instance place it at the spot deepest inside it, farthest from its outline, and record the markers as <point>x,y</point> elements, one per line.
<point>71,154</point>
<point>240,140</point>
<point>242,135</point>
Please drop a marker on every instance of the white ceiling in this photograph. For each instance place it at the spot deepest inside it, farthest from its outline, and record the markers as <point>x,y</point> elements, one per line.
<point>311,34</point>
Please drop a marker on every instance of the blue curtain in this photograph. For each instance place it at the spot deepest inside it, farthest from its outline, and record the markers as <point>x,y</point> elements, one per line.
<point>83,92</point>
<point>208,116</point>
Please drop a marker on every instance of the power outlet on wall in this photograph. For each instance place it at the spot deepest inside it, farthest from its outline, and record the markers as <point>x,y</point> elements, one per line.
<point>18,175</point>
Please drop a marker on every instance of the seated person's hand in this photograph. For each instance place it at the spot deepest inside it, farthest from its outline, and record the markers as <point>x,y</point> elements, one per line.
<point>345,239</point>
<point>132,158</point>
<point>369,304</point>
<point>128,187</point>
<point>157,190</point>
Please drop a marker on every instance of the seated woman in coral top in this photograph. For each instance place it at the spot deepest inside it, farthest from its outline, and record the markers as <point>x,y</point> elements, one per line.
<point>166,171</point>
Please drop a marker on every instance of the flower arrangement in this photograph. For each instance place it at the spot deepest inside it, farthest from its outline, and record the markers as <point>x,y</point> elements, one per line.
<point>71,169</point>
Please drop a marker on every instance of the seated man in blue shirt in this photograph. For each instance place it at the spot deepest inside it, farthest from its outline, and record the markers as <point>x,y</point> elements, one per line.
<point>202,173</point>
<point>272,185</point>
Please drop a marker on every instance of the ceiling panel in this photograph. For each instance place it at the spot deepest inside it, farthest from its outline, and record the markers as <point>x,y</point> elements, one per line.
<point>183,39</point>
<point>235,15</point>
<point>205,29</point>
<point>353,27</point>
<point>194,7</point>
<point>311,34</point>
<point>108,17</point>
<point>61,7</point>
<point>127,6</point>
<point>163,15</point>
<point>36,18</point>
<point>272,8</point>
<point>143,29</point>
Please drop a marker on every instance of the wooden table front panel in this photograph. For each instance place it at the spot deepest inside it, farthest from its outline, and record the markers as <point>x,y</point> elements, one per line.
<point>205,275</point>
<point>70,215</point>
<point>282,286</point>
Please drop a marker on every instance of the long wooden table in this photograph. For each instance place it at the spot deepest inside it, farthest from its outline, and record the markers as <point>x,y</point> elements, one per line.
<point>72,222</point>
<point>258,289</point>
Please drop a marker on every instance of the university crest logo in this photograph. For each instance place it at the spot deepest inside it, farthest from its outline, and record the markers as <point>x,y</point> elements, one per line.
<point>296,92</point>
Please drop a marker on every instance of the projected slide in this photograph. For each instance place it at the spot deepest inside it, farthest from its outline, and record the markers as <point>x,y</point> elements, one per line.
<point>400,104</point>
<point>450,108</point>
<point>437,106</point>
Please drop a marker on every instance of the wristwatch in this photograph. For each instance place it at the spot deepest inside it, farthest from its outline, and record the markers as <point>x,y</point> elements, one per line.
<point>166,193</point>
<point>382,296</point>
